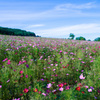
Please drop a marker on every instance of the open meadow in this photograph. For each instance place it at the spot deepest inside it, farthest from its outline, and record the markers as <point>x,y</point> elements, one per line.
<point>34,68</point>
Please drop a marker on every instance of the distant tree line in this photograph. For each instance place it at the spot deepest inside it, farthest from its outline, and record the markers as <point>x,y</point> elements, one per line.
<point>71,36</point>
<point>16,32</point>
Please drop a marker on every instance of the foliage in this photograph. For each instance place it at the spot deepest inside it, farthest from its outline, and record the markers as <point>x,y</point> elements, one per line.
<point>97,39</point>
<point>72,35</point>
<point>16,32</point>
<point>80,38</point>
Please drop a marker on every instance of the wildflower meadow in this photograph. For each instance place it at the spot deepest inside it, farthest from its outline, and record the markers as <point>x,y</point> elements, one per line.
<point>35,68</point>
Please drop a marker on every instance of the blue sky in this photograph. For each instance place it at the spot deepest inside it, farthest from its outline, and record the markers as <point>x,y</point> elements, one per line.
<point>53,18</point>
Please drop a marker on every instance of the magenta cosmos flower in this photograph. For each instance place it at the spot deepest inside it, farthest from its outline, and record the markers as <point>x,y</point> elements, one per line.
<point>25,90</point>
<point>0,86</point>
<point>60,85</point>
<point>67,87</point>
<point>21,72</point>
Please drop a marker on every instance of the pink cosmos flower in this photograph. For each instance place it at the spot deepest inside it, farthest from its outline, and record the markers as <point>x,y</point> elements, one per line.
<point>21,72</point>
<point>81,76</point>
<point>91,61</point>
<point>21,76</point>
<point>60,51</point>
<point>20,62</point>
<point>60,85</point>
<point>8,63</point>
<point>35,90</point>
<point>25,90</point>
<point>56,64</point>
<point>67,87</point>
<point>0,86</point>
<point>8,60</point>
<point>48,91</point>
<point>8,80</point>
<point>82,62</point>
<point>44,94</point>
<point>26,76</point>
<point>86,86</point>
<point>56,75</point>
<point>16,99</point>
<point>61,89</point>
<point>49,85</point>
<point>89,90</point>
<point>5,59</point>
<point>54,69</point>
<point>51,64</point>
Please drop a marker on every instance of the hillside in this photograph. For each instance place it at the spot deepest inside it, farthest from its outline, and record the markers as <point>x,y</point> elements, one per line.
<point>16,32</point>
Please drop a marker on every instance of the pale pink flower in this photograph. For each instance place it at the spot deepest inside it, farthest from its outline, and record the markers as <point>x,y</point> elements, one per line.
<point>56,64</point>
<point>76,69</point>
<point>72,58</point>
<point>89,90</point>
<point>53,82</point>
<point>54,69</point>
<point>51,64</point>
<point>44,94</point>
<point>8,80</point>
<point>86,86</point>
<point>49,85</point>
<point>81,76</point>
<point>91,61</point>
<point>82,62</point>
<point>61,89</point>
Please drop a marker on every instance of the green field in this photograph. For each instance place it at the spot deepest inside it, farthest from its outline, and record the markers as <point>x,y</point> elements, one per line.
<point>34,68</point>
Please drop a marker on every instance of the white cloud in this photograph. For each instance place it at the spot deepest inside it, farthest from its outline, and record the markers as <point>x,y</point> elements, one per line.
<point>76,29</point>
<point>36,25</point>
<point>75,6</point>
<point>65,10</point>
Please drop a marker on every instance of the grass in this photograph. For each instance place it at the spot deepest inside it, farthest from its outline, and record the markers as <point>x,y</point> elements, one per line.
<point>49,69</point>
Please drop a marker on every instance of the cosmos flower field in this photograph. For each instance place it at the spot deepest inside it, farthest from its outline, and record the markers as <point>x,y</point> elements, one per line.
<point>34,68</point>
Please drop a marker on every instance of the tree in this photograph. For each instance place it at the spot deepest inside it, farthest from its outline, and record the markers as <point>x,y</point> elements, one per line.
<point>72,35</point>
<point>97,39</point>
<point>80,38</point>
